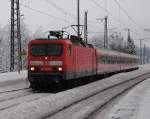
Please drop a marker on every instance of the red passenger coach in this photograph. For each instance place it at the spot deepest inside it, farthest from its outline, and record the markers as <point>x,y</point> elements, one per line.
<point>112,62</point>
<point>55,61</point>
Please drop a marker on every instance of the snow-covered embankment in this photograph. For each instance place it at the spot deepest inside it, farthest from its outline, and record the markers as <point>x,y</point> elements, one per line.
<point>12,78</point>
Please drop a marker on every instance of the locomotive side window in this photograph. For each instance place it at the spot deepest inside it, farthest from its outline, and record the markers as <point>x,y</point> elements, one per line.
<point>46,49</point>
<point>69,49</point>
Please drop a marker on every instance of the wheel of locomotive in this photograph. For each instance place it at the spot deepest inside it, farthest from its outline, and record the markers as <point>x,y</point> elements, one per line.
<point>79,81</point>
<point>58,86</point>
<point>74,83</point>
<point>34,87</point>
<point>68,84</point>
<point>44,87</point>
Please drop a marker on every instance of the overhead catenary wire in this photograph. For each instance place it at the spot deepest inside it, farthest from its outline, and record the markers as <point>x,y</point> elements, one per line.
<point>71,15</point>
<point>50,15</point>
<point>44,13</point>
<point>109,13</point>
<point>51,3</point>
<point>130,18</point>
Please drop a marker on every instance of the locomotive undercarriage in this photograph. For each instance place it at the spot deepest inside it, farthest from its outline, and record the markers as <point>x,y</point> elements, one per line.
<point>45,81</point>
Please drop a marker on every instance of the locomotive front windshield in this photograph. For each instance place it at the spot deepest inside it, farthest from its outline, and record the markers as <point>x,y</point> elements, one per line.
<point>46,49</point>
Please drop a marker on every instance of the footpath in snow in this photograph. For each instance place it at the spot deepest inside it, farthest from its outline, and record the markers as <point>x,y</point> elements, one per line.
<point>12,77</point>
<point>13,81</point>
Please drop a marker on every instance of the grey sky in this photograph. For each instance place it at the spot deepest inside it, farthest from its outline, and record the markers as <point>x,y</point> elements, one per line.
<point>137,9</point>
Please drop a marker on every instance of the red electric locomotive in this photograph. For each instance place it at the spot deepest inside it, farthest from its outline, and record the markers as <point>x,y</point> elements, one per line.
<point>53,61</point>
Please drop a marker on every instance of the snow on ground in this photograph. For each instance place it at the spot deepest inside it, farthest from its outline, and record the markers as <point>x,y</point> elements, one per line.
<point>13,76</point>
<point>51,104</point>
<point>134,105</point>
<point>144,110</point>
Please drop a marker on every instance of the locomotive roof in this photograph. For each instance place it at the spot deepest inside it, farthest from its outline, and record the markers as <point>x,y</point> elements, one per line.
<point>64,40</point>
<point>46,40</point>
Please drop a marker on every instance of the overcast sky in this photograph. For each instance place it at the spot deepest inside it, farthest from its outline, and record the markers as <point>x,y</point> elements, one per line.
<point>62,13</point>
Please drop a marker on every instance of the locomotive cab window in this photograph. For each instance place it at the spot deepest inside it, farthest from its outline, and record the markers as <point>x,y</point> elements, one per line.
<point>46,49</point>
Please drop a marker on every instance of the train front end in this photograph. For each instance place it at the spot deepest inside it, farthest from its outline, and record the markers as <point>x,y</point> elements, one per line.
<point>45,63</point>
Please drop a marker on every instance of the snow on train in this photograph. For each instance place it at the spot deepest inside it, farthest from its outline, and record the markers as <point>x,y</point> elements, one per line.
<point>57,61</point>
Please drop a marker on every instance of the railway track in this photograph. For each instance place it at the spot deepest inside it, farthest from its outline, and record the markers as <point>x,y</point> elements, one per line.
<point>15,101</point>
<point>13,90</point>
<point>12,95</point>
<point>13,87</point>
<point>129,104</point>
<point>16,97</point>
<point>86,108</point>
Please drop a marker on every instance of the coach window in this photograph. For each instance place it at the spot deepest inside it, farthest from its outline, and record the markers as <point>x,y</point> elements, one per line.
<point>105,59</point>
<point>110,59</point>
<point>120,60</point>
<point>115,60</point>
<point>102,59</point>
<point>123,60</point>
<point>99,59</point>
<point>128,61</point>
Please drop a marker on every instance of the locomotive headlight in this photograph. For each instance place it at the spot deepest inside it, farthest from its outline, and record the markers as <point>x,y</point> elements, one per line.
<point>32,68</point>
<point>46,58</point>
<point>60,69</point>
